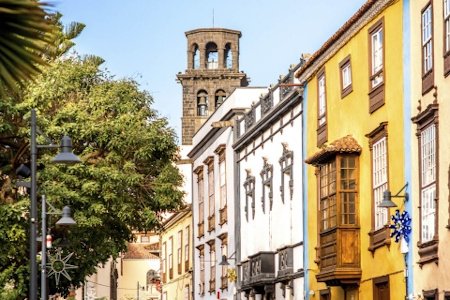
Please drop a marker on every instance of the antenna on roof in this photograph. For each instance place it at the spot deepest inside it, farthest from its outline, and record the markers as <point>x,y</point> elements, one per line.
<point>213,17</point>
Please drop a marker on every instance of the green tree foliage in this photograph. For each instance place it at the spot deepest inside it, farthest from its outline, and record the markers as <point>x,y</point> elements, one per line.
<point>126,181</point>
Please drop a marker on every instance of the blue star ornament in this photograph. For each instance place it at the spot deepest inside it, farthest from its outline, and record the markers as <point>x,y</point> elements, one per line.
<point>401,227</point>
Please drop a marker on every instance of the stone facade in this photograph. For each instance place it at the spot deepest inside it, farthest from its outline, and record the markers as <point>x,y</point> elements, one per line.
<point>212,74</point>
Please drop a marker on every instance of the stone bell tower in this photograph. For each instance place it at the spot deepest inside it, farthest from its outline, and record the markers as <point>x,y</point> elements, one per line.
<point>212,74</point>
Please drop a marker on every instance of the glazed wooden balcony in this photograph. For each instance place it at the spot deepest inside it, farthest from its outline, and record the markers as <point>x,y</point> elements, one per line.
<point>339,261</point>
<point>285,262</point>
<point>201,229</point>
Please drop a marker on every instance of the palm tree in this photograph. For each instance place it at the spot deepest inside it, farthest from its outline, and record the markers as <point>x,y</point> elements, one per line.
<point>25,32</point>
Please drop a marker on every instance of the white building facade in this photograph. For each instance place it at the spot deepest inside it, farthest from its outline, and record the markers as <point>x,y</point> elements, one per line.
<point>213,191</point>
<point>269,166</point>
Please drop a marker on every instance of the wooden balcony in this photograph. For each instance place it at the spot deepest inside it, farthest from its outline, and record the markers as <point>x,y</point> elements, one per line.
<point>211,222</point>
<point>212,285</point>
<point>339,261</point>
<point>201,229</point>
<point>223,215</point>
<point>223,282</point>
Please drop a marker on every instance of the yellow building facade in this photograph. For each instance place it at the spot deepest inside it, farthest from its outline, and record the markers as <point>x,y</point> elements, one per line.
<point>176,256</point>
<point>354,135</point>
<point>430,110</point>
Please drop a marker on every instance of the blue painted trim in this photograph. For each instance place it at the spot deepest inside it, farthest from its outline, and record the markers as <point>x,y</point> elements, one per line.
<point>305,195</point>
<point>407,127</point>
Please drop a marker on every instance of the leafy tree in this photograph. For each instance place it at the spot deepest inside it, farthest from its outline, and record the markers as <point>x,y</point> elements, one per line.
<point>126,181</point>
<point>25,33</point>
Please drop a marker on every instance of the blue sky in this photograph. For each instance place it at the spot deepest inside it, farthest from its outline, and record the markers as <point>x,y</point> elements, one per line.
<point>144,39</point>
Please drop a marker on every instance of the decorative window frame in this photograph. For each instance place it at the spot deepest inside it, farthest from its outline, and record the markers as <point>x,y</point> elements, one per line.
<point>287,170</point>
<point>212,265</point>
<point>200,200</point>
<point>164,262</point>
<point>224,272</point>
<point>180,252</point>
<point>325,294</point>
<point>430,294</point>
<point>427,75</point>
<point>267,182</point>
<point>446,36</point>
<point>201,257</point>
<point>170,258</point>
<point>322,132</point>
<point>187,231</point>
<point>344,64</point>
<point>249,187</point>
<point>377,282</point>
<point>376,92</point>
<point>220,152</point>
<point>379,236</point>
<point>428,251</point>
<point>209,162</point>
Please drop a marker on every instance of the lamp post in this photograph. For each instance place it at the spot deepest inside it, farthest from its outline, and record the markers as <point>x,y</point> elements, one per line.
<point>66,220</point>
<point>401,227</point>
<point>66,156</point>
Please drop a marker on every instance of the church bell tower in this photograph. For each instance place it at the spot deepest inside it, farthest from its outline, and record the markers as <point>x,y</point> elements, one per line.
<point>212,74</point>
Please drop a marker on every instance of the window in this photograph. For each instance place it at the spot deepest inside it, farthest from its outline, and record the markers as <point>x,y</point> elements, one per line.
<point>249,187</point>
<point>179,251</point>
<point>200,199</point>
<point>322,109</point>
<point>346,77</point>
<point>428,182</point>
<point>228,57</point>
<point>212,271</point>
<point>186,248</point>
<point>287,179</point>
<point>201,256</point>
<point>427,49</point>
<point>163,262</point>
<point>381,288</point>
<point>220,151</point>
<point>379,234</point>
<point>220,97</point>
<point>202,103</point>
<point>430,295</point>
<point>325,294</point>
<point>196,58</point>
<point>379,181</point>
<point>211,196</point>
<point>224,252</point>
<point>169,250</point>
<point>267,184</point>
<point>427,133</point>
<point>212,56</point>
<point>446,37</point>
<point>376,70</point>
<point>327,206</point>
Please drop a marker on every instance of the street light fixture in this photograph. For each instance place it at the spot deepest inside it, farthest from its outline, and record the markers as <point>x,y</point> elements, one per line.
<point>224,261</point>
<point>387,202</point>
<point>401,226</point>
<point>65,156</point>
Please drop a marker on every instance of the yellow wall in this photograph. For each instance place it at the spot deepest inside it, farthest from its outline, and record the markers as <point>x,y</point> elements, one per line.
<point>431,276</point>
<point>350,116</point>
<point>175,287</point>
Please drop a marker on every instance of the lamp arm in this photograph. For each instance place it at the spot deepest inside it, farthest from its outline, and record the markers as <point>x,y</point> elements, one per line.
<point>398,193</point>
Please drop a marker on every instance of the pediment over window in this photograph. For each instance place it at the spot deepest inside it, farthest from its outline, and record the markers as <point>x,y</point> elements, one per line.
<point>347,144</point>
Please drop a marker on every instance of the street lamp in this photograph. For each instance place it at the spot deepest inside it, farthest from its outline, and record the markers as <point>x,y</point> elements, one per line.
<point>66,220</point>
<point>65,156</point>
<point>401,226</point>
